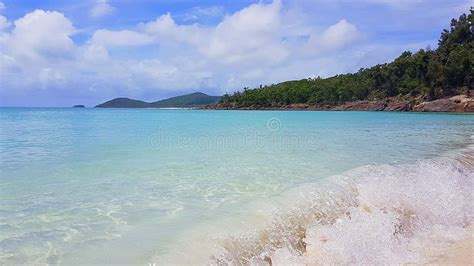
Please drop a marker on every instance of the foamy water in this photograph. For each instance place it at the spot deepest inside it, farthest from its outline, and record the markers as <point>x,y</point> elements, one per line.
<point>217,187</point>
<point>369,215</point>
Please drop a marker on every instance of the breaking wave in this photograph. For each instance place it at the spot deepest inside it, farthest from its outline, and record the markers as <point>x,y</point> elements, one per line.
<point>369,215</point>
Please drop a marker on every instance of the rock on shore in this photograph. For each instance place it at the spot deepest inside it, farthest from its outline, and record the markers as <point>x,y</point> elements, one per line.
<point>459,103</point>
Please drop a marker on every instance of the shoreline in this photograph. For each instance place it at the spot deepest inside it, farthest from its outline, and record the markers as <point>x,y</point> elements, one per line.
<point>454,104</point>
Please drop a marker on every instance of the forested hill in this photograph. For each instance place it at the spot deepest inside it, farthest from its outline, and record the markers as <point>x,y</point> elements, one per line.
<point>189,100</point>
<point>184,101</point>
<point>426,75</point>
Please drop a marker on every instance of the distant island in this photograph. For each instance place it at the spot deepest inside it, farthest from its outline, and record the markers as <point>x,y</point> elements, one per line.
<point>197,99</point>
<point>79,106</point>
<point>428,80</point>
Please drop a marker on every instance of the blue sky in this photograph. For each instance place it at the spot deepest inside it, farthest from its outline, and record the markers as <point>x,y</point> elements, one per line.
<point>61,53</point>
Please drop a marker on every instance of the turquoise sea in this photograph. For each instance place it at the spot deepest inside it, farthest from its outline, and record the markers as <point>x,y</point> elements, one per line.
<point>139,186</point>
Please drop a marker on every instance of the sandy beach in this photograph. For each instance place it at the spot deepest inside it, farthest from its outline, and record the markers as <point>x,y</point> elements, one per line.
<point>458,253</point>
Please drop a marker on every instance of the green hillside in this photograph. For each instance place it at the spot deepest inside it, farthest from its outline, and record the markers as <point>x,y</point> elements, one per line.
<point>190,100</point>
<point>124,103</point>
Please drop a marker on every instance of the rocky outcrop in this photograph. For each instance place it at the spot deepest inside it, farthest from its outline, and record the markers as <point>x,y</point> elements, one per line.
<point>361,106</point>
<point>398,105</point>
<point>459,103</point>
<point>390,104</point>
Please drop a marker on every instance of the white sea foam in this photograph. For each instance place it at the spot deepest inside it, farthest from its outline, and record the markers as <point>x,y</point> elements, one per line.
<point>370,215</point>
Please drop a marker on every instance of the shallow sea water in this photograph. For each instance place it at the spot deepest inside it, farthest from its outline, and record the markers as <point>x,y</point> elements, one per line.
<point>189,186</point>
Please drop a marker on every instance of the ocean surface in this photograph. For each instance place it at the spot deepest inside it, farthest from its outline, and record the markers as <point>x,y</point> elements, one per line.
<point>126,186</point>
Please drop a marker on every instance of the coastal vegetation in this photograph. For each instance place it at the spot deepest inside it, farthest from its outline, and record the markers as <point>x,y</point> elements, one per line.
<point>426,74</point>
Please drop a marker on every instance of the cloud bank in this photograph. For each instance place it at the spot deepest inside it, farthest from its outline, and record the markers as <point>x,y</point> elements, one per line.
<point>259,44</point>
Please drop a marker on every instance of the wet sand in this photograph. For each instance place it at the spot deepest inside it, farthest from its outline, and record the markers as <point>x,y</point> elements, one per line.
<point>457,253</point>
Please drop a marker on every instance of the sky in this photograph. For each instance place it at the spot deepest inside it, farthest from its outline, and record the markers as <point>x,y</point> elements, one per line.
<point>63,53</point>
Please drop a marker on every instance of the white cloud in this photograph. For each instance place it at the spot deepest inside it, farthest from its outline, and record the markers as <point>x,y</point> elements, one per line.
<point>43,34</point>
<point>3,23</point>
<point>170,76</point>
<point>165,29</point>
<point>202,12</point>
<point>2,6</point>
<point>109,38</point>
<point>339,34</point>
<point>101,8</point>
<point>50,77</point>
<point>37,51</point>
<point>335,37</point>
<point>247,36</point>
<point>250,34</point>
<point>95,54</point>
